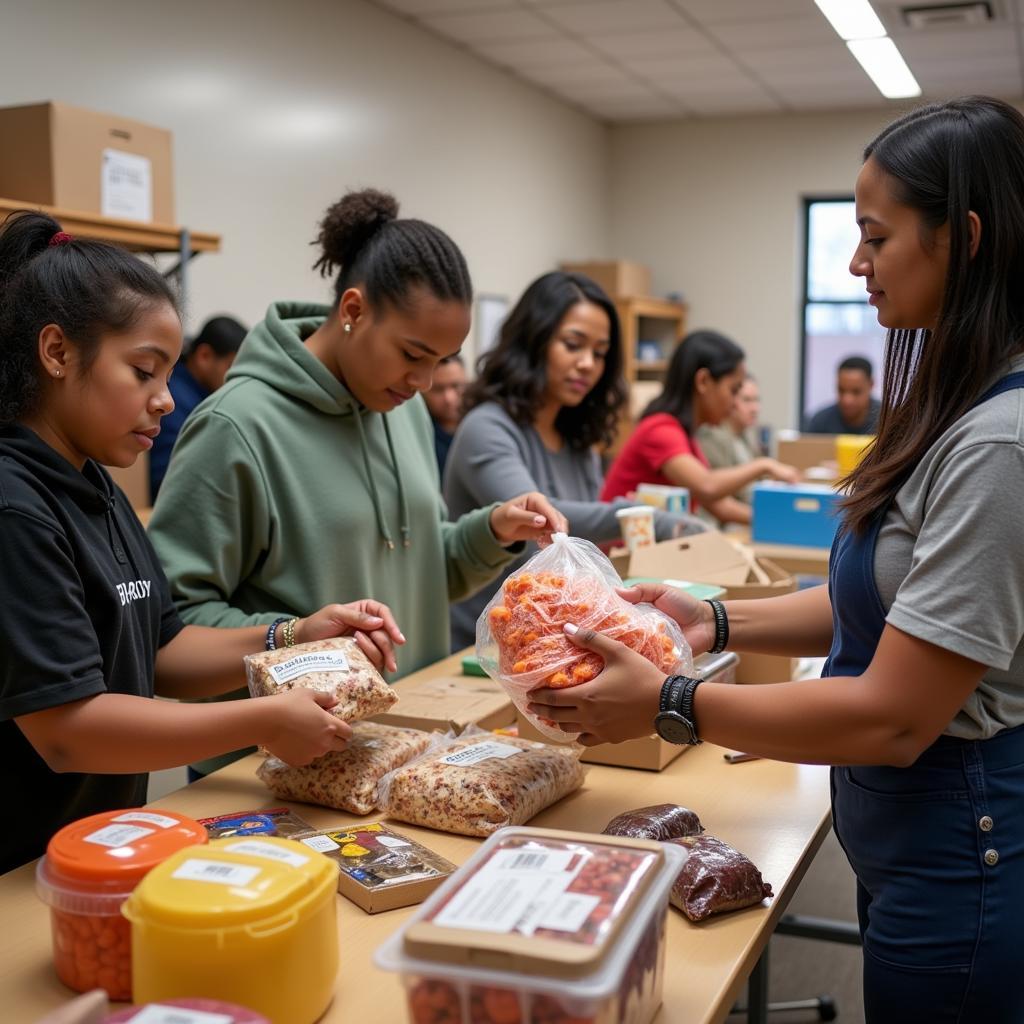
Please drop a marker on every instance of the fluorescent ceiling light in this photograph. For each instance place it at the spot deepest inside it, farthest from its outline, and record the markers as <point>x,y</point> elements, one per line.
<point>852,19</point>
<point>885,67</point>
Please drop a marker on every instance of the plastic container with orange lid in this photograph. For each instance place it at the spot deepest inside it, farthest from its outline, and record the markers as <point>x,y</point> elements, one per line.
<point>541,927</point>
<point>90,868</point>
<point>249,920</point>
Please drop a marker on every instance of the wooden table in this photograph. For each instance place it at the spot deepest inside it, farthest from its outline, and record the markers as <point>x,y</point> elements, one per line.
<point>778,814</point>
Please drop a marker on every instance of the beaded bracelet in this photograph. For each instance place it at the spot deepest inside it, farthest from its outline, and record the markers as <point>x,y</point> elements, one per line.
<point>272,632</point>
<point>289,632</point>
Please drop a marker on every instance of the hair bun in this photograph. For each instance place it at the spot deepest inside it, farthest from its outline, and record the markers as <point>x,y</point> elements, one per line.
<point>349,224</point>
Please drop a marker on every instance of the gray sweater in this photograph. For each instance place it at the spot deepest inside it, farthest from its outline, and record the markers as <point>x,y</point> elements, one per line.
<point>493,459</point>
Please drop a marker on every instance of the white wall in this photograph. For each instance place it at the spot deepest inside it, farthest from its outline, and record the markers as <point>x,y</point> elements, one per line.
<point>715,207</point>
<point>278,108</point>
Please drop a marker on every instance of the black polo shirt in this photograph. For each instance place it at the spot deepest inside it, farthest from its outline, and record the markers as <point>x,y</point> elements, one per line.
<point>84,608</point>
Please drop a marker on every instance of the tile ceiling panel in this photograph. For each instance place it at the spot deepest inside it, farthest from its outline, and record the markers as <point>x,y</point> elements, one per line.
<point>713,12</point>
<point>491,26</point>
<point>753,35</point>
<point>422,7</point>
<point>670,42</point>
<point>525,53</point>
<point>616,16</point>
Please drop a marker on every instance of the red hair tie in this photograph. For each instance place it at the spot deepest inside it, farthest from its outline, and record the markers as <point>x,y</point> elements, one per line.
<point>61,238</point>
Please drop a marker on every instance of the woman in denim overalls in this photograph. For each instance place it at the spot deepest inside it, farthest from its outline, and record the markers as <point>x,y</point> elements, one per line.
<point>923,710</point>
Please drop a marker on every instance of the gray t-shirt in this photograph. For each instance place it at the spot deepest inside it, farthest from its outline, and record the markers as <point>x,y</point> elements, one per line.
<point>493,458</point>
<point>949,564</point>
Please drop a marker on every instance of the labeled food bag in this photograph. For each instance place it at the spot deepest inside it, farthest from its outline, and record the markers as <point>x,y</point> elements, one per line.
<point>659,822</point>
<point>479,783</point>
<point>519,636</point>
<point>273,821</point>
<point>336,666</point>
<point>715,878</point>
<point>346,779</point>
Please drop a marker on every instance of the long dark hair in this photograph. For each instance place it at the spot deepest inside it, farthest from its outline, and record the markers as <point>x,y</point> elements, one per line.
<point>86,288</point>
<point>945,160</point>
<point>513,372</point>
<point>699,350</point>
<point>364,241</point>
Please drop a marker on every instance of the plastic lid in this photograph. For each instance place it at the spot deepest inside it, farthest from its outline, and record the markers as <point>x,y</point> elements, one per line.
<point>115,849</point>
<point>537,901</point>
<point>230,882</point>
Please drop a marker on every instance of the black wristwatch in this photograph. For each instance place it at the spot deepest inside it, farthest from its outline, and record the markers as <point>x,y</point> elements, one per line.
<point>675,720</point>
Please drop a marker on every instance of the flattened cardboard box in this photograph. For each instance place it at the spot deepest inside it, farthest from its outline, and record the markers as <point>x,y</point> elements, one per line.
<point>449,702</point>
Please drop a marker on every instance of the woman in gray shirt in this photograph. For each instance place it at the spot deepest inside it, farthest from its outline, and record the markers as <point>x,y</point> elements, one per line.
<point>546,395</point>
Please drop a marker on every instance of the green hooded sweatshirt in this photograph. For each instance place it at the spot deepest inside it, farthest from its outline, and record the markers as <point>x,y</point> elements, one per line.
<point>284,495</point>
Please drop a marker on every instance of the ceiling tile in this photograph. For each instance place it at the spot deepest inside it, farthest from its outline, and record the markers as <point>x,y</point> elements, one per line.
<point>821,60</point>
<point>559,75</point>
<point>668,42</point>
<point>422,7</point>
<point>490,26</point>
<point>712,106</point>
<point>982,43</point>
<point>714,65</point>
<point>713,12</point>
<point>631,92</point>
<point>780,32</point>
<point>524,53</point>
<point>647,110</point>
<point>606,16</point>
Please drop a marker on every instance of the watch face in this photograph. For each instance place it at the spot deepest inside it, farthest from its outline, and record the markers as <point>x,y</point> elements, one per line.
<point>673,728</point>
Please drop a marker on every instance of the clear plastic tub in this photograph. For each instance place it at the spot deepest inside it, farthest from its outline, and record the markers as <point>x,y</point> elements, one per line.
<point>541,927</point>
<point>90,868</point>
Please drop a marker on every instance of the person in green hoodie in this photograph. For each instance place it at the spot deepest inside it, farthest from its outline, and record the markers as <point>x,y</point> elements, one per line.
<point>312,471</point>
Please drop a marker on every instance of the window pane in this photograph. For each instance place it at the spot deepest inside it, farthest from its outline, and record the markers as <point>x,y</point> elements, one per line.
<point>831,239</point>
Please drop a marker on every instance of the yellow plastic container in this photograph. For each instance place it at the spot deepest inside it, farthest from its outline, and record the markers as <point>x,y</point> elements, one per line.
<point>850,449</point>
<point>251,921</point>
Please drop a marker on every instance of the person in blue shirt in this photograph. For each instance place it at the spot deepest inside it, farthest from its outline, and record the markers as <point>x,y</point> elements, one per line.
<point>444,403</point>
<point>199,374</point>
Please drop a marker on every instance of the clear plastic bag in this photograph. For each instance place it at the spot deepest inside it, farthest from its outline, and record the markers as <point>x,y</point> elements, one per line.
<point>519,637</point>
<point>715,878</point>
<point>480,782</point>
<point>659,822</point>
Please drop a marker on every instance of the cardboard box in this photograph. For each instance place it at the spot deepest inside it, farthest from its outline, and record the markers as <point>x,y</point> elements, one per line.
<point>619,278</point>
<point>804,515</point>
<point>805,451</point>
<point>64,156</point>
<point>713,558</point>
<point>649,753</point>
<point>449,702</point>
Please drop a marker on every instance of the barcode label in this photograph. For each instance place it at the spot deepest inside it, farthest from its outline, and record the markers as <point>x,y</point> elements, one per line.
<point>301,664</point>
<point>270,851</point>
<point>158,1014</point>
<point>322,844</point>
<point>118,835</point>
<point>195,870</point>
<point>480,752</point>
<point>532,860</point>
<point>160,820</point>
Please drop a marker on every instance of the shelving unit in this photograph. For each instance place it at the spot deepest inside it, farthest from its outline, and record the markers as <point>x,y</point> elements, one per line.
<point>645,319</point>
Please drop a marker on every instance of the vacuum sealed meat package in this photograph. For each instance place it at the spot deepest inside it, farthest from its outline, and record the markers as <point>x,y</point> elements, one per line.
<point>347,780</point>
<point>659,822</point>
<point>715,878</point>
<point>520,639</point>
<point>336,666</point>
<point>479,783</point>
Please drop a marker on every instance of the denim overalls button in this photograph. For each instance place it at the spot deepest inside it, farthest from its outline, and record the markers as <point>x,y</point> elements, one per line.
<point>991,857</point>
<point>985,823</point>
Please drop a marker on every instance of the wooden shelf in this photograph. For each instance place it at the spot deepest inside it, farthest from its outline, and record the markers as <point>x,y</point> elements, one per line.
<point>651,308</point>
<point>132,235</point>
<point>658,366</point>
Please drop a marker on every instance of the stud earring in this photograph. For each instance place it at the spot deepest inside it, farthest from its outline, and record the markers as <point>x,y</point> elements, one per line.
<point>348,328</point>
<point>58,373</point>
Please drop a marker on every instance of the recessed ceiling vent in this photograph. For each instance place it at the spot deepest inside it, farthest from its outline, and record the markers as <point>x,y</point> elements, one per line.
<point>966,15</point>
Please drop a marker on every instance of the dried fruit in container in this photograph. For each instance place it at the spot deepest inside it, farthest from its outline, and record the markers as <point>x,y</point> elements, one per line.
<point>520,637</point>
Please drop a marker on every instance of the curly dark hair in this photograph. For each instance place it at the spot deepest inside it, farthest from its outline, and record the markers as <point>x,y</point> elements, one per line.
<point>364,241</point>
<point>513,372</point>
<point>87,288</point>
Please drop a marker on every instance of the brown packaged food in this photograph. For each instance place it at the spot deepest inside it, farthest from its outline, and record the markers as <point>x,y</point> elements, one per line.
<point>715,878</point>
<point>347,780</point>
<point>659,822</point>
<point>477,784</point>
<point>336,666</point>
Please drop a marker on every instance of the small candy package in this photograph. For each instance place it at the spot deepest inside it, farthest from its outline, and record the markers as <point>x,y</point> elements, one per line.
<point>659,822</point>
<point>480,782</point>
<point>336,666</point>
<point>715,878</point>
<point>346,780</point>
<point>381,869</point>
<point>519,635</point>
<point>274,821</point>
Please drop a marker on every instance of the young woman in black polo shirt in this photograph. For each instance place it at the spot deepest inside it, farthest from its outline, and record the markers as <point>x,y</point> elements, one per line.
<point>88,631</point>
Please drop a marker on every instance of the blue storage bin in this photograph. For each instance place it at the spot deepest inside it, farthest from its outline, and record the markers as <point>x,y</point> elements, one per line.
<point>804,515</point>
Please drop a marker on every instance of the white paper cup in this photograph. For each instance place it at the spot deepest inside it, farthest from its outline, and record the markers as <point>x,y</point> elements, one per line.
<point>637,526</point>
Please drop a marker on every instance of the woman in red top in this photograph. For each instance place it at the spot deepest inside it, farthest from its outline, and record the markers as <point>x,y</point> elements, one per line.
<point>703,378</point>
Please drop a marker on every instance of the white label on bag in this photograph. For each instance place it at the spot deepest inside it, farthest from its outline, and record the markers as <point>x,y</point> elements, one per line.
<point>118,835</point>
<point>157,1014</point>
<point>256,848</point>
<point>301,664</point>
<point>392,842</point>
<point>196,870</point>
<point>322,844</point>
<point>480,752</point>
<point>160,820</point>
<point>126,186</point>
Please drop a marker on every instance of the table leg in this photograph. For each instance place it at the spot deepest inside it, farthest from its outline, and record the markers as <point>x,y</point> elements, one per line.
<point>757,991</point>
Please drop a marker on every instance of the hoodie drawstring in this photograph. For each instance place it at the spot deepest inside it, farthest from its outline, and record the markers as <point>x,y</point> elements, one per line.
<point>403,504</point>
<point>382,525</point>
